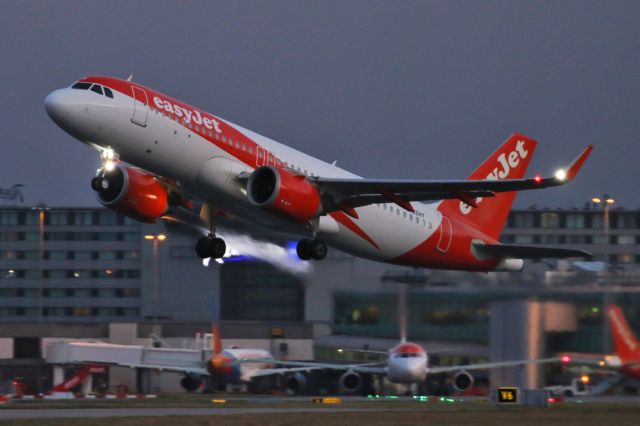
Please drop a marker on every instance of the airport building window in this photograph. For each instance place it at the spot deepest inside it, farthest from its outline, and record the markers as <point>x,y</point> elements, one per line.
<point>8,218</point>
<point>258,291</point>
<point>575,221</point>
<point>84,218</point>
<point>626,239</point>
<point>624,221</point>
<point>523,220</point>
<point>523,239</point>
<point>549,220</point>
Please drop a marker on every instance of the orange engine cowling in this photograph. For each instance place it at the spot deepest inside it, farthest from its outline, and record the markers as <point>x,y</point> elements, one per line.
<point>132,192</point>
<point>284,193</point>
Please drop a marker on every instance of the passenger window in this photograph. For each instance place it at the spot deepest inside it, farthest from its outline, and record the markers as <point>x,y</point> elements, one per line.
<point>250,150</point>
<point>224,139</point>
<point>96,88</point>
<point>81,86</point>
<point>244,147</point>
<point>108,92</point>
<point>237,144</point>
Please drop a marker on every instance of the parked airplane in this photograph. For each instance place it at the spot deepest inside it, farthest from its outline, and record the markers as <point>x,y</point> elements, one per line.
<point>183,154</point>
<point>613,369</point>
<point>627,357</point>
<point>406,363</point>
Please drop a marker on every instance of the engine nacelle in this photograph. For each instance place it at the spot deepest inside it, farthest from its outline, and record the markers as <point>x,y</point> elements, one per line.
<point>284,193</point>
<point>509,265</point>
<point>191,382</point>
<point>132,192</point>
<point>350,382</point>
<point>296,383</point>
<point>462,381</point>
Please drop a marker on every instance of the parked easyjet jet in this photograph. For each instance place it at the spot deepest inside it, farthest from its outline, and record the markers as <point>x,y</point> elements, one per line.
<point>182,154</point>
<point>627,357</point>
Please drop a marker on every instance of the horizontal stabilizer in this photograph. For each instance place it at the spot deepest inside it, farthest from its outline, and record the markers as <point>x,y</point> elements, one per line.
<point>528,252</point>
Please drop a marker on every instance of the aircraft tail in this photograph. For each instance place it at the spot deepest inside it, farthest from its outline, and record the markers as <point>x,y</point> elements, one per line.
<point>510,161</point>
<point>627,346</point>
<point>217,341</point>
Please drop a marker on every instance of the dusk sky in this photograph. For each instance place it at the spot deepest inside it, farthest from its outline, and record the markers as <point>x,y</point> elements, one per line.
<point>402,89</point>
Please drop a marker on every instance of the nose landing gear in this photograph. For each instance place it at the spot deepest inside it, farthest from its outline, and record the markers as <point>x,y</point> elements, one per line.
<point>308,249</point>
<point>210,246</point>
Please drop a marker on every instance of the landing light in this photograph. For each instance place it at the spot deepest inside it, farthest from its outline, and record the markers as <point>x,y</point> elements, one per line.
<point>584,379</point>
<point>109,165</point>
<point>561,175</point>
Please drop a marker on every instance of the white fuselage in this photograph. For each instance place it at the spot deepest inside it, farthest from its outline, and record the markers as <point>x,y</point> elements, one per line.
<point>205,163</point>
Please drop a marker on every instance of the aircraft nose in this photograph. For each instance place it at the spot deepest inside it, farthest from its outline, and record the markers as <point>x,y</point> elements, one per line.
<point>55,104</point>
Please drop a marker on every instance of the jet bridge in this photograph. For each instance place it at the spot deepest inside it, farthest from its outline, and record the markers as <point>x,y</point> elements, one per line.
<point>133,356</point>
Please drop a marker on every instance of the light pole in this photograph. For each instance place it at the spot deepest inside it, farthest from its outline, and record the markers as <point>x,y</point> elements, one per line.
<point>155,240</point>
<point>40,208</point>
<point>606,202</point>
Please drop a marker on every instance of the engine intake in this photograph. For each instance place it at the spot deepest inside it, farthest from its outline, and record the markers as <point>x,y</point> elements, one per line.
<point>296,383</point>
<point>284,193</point>
<point>462,381</point>
<point>350,382</point>
<point>132,192</point>
<point>191,382</point>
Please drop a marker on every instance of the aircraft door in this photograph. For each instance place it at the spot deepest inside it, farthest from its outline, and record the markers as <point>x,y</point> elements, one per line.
<point>140,106</point>
<point>260,157</point>
<point>445,235</point>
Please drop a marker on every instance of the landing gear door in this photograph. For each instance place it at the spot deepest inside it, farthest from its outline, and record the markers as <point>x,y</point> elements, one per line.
<point>140,106</point>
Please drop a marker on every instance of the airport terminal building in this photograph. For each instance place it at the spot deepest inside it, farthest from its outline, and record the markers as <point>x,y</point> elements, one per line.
<point>84,273</point>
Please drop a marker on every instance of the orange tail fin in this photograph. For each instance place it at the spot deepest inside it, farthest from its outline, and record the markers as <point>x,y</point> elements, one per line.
<point>510,161</point>
<point>627,346</point>
<point>217,341</point>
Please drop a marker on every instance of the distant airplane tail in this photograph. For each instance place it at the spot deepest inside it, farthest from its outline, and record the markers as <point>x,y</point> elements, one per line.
<point>217,341</point>
<point>627,346</point>
<point>510,161</point>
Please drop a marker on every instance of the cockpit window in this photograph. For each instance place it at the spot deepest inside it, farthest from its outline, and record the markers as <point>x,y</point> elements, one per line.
<point>108,92</point>
<point>81,86</point>
<point>97,88</point>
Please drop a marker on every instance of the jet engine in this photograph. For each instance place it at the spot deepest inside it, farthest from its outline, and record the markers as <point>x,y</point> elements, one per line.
<point>132,192</point>
<point>350,382</point>
<point>284,193</point>
<point>462,380</point>
<point>191,382</point>
<point>296,383</point>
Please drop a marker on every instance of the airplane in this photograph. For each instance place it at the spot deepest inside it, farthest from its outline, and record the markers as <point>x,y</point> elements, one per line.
<point>623,365</point>
<point>407,363</point>
<point>180,154</point>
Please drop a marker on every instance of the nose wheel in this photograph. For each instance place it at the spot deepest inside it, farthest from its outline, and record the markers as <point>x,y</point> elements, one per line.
<point>308,249</point>
<point>210,247</point>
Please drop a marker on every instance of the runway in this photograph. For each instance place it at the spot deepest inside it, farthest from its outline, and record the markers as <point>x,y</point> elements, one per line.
<point>621,410</point>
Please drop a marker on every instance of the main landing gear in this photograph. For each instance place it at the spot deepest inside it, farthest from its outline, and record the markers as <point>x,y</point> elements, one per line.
<point>210,246</point>
<point>315,249</point>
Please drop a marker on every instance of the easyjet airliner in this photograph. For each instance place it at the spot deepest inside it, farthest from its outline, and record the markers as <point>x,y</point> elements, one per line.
<point>179,154</point>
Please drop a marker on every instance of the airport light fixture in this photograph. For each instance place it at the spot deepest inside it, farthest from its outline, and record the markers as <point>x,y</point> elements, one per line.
<point>606,202</point>
<point>155,239</point>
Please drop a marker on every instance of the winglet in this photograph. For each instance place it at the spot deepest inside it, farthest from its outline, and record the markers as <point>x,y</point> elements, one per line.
<point>574,168</point>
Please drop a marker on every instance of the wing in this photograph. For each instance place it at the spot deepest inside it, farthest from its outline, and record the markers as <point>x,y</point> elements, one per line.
<point>528,252</point>
<point>347,194</point>
<point>294,366</point>
<point>490,365</point>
